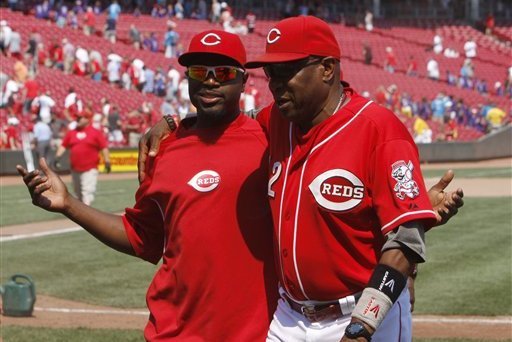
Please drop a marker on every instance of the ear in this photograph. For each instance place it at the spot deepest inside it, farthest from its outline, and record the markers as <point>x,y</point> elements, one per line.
<point>329,64</point>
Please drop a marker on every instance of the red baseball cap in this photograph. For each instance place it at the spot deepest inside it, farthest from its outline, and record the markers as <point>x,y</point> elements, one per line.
<point>214,42</point>
<point>297,38</point>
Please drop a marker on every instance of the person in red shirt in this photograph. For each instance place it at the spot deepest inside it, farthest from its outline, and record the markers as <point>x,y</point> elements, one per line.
<point>225,290</point>
<point>349,227</point>
<point>12,134</point>
<point>84,144</point>
<point>412,68</point>
<point>390,62</point>
<point>56,55</point>
<point>30,92</point>
<point>89,21</point>
<point>79,68</point>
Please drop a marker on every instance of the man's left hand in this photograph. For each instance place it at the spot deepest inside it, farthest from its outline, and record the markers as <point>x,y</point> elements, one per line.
<point>108,167</point>
<point>445,204</point>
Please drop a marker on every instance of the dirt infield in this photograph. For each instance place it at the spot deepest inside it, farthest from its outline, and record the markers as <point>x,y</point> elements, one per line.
<point>58,313</point>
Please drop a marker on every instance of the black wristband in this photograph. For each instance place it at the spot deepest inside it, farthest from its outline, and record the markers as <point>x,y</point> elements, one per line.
<point>388,281</point>
<point>170,122</point>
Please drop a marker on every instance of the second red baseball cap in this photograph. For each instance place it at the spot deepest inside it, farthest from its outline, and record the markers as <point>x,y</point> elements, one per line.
<point>214,42</point>
<point>296,38</point>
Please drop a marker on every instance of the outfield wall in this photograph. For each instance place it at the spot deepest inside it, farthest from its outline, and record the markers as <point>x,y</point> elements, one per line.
<point>491,146</point>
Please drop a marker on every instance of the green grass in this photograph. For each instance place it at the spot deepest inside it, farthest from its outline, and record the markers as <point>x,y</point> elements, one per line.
<point>115,195</point>
<point>76,266</point>
<point>16,206</point>
<point>468,271</point>
<point>499,172</point>
<point>23,334</point>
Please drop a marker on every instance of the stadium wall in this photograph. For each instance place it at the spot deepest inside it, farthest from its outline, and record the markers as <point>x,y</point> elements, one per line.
<point>494,145</point>
<point>491,146</point>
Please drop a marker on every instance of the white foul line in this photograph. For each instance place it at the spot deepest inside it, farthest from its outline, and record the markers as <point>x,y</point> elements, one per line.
<point>480,320</point>
<point>93,311</point>
<point>427,319</point>
<point>40,234</point>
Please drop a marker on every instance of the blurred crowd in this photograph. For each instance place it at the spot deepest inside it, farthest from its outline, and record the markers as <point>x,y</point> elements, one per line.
<point>447,113</point>
<point>29,104</point>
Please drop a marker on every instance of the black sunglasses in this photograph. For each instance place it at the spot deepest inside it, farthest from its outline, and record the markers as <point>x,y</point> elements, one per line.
<point>285,71</point>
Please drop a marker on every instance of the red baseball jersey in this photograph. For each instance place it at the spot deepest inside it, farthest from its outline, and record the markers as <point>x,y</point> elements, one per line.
<point>203,209</point>
<point>336,191</point>
<point>84,146</point>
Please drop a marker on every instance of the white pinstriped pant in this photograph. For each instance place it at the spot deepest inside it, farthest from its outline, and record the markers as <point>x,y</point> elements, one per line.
<point>84,185</point>
<point>290,326</point>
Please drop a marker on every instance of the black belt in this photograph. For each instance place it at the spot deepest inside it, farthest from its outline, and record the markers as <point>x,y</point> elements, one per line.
<point>329,310</point>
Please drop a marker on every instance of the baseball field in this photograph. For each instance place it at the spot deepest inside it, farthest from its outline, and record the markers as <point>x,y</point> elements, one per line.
<point>86,292</point>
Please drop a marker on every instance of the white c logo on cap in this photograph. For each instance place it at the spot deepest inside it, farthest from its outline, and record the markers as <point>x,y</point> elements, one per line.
<point>214,42</point>
<point>277,35</point>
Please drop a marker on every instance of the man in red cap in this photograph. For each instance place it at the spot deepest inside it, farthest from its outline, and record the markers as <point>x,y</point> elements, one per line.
<point>217,280</point>
<point>347,195</point>
<point>315,197</point>
<point>84,143</point>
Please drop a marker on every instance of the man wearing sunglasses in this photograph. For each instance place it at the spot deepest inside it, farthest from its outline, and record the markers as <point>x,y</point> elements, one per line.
<point>202,209</point>
<point>349,213</point>
<point>349,204</point>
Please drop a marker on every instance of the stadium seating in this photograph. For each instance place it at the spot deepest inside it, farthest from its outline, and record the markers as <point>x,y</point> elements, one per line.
<point>491,63</point>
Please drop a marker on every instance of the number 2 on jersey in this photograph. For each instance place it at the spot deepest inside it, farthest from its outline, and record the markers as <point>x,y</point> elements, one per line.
<point>276,172</point>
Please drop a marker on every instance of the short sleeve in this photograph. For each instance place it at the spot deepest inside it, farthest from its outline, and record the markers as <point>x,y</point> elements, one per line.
<point>144,225</point>
<point>398,188</point>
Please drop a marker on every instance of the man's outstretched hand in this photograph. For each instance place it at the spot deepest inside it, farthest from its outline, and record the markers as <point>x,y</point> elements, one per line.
<point>445,204</point>
<point>45,187</point>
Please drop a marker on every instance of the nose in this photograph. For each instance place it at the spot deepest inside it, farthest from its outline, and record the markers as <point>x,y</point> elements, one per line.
<point>210,79</point>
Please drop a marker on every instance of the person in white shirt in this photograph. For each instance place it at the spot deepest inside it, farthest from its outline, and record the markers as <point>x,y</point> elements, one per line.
<point>174,80</point>
<point>5,36</point>
<point>113,70</point>
<point>433,69</point>
<point>11,88</point>
<point>71,99</point>
<point>45,103</point>
<point>438,43</point>
<point>183,91</point>
<point>470,48</point>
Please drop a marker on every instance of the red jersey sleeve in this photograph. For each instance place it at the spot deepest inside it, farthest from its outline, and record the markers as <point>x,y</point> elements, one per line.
<point>398,188</point>
<point>144,225</point>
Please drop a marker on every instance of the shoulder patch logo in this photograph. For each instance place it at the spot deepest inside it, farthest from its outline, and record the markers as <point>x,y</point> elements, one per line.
<point>205,181</point>
<point>405,185</point>
<point>337,190</point>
